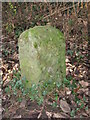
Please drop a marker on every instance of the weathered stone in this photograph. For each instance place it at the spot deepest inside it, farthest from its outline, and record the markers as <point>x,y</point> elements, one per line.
<point>42,55</point>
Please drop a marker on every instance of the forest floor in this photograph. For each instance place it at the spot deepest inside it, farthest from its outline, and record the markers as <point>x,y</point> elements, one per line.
<point>75,29</point>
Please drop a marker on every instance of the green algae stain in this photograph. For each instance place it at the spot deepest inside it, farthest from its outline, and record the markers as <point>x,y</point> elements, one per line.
<point>42,55</point>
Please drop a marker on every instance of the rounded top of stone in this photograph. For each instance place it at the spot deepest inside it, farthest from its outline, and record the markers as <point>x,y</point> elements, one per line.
<point>43,33</point>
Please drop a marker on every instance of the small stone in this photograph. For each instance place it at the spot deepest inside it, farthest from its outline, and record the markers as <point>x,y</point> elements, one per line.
<point>64,106</point>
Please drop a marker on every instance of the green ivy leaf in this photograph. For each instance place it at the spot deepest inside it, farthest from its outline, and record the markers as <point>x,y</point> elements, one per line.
<point>72,113</point>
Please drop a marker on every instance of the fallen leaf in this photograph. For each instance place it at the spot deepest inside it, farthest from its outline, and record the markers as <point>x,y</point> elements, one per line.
<point>85,23</point>
<point>64,106</point>
<point>77,89</point>
<point>23,103</point>
<point>5,77</point>
<point>49,114</point>
<point>64,115</point>
<point>57,115</point>
<point>84,84</point>
<point>17,116</point>
<point>67,60</point>
<point>84,114</point>
<point>68,92</point>
<point>60,115</point>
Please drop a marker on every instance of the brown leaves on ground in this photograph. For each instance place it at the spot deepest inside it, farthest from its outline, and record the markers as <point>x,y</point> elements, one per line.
<point>76,33</point>
<point>84,84</point>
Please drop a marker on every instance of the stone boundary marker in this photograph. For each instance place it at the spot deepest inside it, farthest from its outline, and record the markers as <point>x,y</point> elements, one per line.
<point>42,55</point>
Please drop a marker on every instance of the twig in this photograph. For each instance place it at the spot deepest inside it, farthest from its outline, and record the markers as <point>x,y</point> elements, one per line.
<point>58,11</point>
<point>5,83</point>
<point>11,59</point>
<point>41,110</point>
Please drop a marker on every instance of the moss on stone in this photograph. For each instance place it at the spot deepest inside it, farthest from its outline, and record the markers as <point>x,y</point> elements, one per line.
<point>42,55</point>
